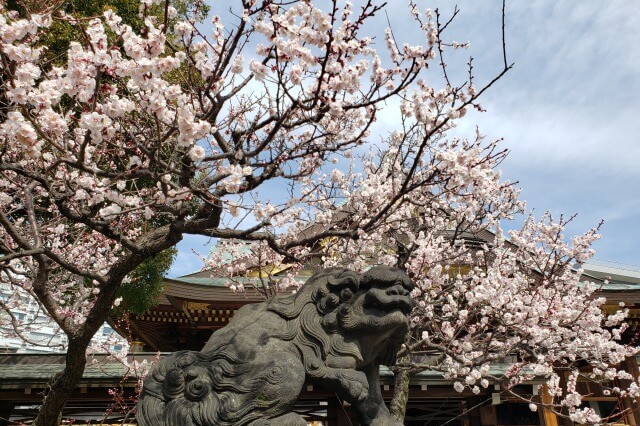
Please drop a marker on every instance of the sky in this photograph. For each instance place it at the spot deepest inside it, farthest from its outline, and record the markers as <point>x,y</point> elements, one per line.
<point>567,110</point>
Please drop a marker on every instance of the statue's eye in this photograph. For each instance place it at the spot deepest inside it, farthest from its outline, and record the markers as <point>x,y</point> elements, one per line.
<point>192,373</point>
<point>329,303</point>
<point>346,294</point>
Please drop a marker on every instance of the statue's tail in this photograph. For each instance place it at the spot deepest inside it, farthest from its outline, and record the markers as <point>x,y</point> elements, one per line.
<point>172,390</point>
<point>190,388</point>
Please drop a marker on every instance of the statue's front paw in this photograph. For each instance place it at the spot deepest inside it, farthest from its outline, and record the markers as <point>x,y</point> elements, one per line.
<point>355,385</point>
<point>358,391</point>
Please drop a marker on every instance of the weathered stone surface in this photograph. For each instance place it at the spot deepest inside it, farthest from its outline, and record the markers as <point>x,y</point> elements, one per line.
<point>335,331</point>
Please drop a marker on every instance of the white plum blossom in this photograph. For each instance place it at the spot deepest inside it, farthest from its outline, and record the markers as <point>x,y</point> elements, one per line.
<point>258,69</point>
<point>238,63</point>
<point>197,153</point>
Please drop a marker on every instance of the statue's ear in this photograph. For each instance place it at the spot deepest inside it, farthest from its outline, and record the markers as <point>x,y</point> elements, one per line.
<point>326,302</point>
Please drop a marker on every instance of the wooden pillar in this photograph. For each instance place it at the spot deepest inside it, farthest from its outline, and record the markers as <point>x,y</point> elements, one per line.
<point>631,416</point>
<point>473,415</point>
<point>630,365</point>
<point>564,421</point>
<point>549,418</point>
<point>465,414</point>
<point>488,415</point>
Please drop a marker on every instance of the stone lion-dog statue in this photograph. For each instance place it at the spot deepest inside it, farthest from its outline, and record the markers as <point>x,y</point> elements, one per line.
<point>335,331</point>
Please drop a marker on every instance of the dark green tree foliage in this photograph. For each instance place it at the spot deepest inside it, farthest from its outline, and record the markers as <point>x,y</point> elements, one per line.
<point>61,32</point>
<point>57,39</point>
<point>147,283</point>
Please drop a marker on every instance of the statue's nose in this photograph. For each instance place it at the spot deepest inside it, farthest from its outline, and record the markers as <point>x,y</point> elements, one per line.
<point>397,290</point>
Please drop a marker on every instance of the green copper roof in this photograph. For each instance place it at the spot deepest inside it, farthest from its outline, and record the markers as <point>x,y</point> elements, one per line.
<point>620,287</point>
<point>20,370</point>
<point>39,372</point>
<point>224,282</point>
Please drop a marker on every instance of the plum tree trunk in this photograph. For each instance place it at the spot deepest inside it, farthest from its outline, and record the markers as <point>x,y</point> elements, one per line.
<point>398,406</point>
<point>62,384</point>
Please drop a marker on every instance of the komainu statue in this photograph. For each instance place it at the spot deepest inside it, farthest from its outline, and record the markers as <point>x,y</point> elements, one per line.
<point>335,331</point>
